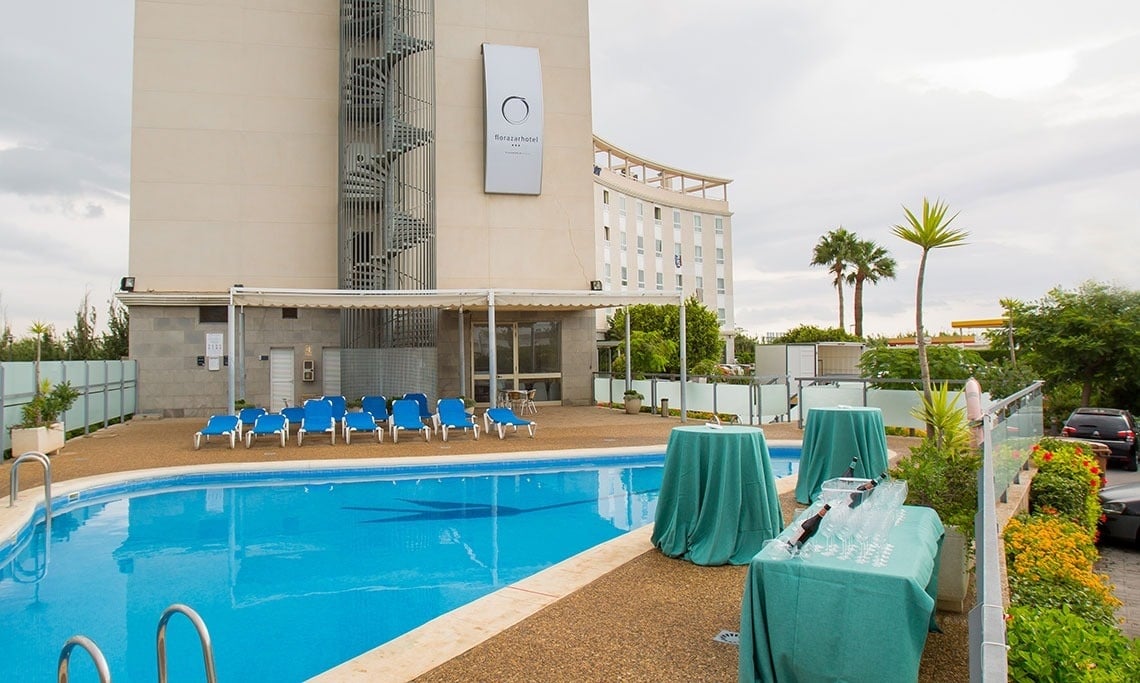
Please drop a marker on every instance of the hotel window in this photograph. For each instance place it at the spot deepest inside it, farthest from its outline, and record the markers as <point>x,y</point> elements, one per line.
<point>621,239</point>
<point>720,255</point>
<point>621,204</point>
<point>606,231</point>
<point>718,221</point>
<point>624,277</point>
<point>605,196</point>
<point>700,282</point>
<point>720,285</point>
<point>640,209</point>
<point>680,282</point>
<point>213,314</point>
<point>289,313</point>
<point>606,270</point>
<point>720,316</point>
<point>660,282</point>
<point>657,213</point>
<point>676,249</point>
<point>640,278</point>
<point>640,244</point>
<point>696,222</point>
<point>698,254</point>
<point>657,245</point>
<point>676,219</point>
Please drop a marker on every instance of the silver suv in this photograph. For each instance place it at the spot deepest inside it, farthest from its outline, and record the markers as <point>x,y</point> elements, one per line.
<point>1112,427</point>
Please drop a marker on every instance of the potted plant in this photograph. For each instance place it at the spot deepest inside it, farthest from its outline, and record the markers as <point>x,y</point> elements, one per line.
<point>633,399</point>
<point>42,429</point>
<point>941,473</point>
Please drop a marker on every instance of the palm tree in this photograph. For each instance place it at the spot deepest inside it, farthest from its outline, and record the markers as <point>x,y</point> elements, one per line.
<point>871,263</point>
<point>834,251</point>
<point>931,232</point>
<point>41,330</point>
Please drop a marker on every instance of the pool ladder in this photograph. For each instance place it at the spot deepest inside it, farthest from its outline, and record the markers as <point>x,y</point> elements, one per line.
<point>160,647</point>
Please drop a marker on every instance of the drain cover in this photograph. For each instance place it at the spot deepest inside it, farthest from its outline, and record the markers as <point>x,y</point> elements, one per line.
<point>730,637</point>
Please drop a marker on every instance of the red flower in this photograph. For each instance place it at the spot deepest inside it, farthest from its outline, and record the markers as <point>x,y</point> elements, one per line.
<point>1078,450</point>
<point>1094,470</point>
<point>1085,463</point>
<point>1094,482</point>
<point>1048,456</point>
<point>1035,448</point>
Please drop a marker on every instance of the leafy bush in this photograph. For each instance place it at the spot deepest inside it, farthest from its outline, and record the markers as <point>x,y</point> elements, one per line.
<point>944,480</point>
<point>49,404</point>
<point>1050,563</point>
<point>1067,482</point>
<point>1053,644</point>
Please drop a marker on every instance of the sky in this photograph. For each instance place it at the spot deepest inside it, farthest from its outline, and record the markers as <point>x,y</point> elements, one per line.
<point>1024,117</point>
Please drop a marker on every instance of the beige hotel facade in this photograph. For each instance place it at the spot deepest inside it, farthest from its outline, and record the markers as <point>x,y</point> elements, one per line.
<point>290,149</point>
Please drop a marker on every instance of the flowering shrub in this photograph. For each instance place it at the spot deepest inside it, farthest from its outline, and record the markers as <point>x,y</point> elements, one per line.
<point>1054,644</point>
<point>1050,564</point>
<point>1067,482</point>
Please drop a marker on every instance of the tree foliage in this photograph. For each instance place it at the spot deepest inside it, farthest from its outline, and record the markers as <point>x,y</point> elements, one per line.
<point>81,342</point>
<point>1089,336</point>
<point>836,251</point>
<point>702,331</point>
<point>869,263</point>
<point>810,334</point>
<point>945,362</point>
<point>930,232</point>
<point>745,347</point>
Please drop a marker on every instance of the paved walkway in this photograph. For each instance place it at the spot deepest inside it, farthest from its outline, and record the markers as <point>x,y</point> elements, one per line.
<point>1122,564</point>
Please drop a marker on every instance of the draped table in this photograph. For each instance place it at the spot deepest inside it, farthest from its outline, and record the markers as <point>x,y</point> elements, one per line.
<point>817,618</point>
<point>718,500</point>
<point>832,437</point>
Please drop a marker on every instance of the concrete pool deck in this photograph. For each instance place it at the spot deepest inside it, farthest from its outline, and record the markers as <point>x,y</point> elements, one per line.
<point>619,612</point>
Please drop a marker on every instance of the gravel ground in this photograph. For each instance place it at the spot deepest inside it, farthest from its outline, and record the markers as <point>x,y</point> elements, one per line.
<point>652,619</point>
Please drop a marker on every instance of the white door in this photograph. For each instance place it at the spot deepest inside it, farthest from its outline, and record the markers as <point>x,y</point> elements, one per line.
<point>330,372</point>
<point>281,379</point>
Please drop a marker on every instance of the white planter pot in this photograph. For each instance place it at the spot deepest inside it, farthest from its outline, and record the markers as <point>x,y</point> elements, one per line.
<point>953,572</point>
<point>632,406</point>
<point>43,439</point>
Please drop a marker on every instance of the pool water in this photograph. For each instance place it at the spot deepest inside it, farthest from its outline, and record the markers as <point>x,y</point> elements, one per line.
<point>296,576</point>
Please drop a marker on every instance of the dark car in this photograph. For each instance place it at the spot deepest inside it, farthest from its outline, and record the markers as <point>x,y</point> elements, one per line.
<point>1121,506</point>
<point>1112,427</point>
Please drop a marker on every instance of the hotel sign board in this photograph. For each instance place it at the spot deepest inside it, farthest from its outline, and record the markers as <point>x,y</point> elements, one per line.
<point>512,88</point>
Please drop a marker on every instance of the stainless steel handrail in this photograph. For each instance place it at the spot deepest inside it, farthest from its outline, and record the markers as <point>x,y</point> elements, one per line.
<point>13,480</point>
<point>203,636</point>
<point>92,649</point>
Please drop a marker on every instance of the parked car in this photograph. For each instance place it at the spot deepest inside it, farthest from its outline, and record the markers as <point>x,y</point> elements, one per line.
<point>1112,427</point>
<point>1121,506</point>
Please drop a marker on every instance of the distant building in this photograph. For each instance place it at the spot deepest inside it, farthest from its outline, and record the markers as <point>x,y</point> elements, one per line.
<point>663,229</point>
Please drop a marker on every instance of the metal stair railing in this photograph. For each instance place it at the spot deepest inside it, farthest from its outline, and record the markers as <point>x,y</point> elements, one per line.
<point>61,672</point>
<point>13,480</point>
<point>203,636</point>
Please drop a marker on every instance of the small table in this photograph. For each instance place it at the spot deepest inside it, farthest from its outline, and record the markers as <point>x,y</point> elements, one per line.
<point>820,619</point>
<point>832,437</point>
<point>718,500</point>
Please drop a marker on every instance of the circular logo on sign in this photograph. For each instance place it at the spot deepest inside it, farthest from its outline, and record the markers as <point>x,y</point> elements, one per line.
<point>515,109</point>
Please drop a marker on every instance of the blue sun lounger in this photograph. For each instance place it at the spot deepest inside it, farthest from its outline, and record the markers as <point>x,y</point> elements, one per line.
<point>425,410</point>
<point>268,424</point>
<point>246,418</point>
<point>452,414</point>
<point>361,421</point>
<point>318,420</point>
<point>218,425</point>
<point>505,417</point>
<point>377,405</point>
<point>406,415</point>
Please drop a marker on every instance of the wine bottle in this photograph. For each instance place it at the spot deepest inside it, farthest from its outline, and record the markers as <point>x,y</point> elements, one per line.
<point>863,490</point>
<point>808,528</point>
<point>851,468</point>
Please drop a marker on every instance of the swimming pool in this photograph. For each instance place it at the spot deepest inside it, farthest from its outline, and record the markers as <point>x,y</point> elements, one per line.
<point>297,571</point>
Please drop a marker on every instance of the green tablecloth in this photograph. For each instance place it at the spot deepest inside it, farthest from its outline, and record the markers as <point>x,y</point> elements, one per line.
<point>824,619</point>
<point>718,500</point>
<point>832,436</point>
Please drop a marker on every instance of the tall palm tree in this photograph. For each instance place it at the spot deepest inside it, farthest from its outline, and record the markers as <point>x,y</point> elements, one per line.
<point>932,231</point>
<point>40,330</point>
<point>834,251</point>
<point>871,263</point>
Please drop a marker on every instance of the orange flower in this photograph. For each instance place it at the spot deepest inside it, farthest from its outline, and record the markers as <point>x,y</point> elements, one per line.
<point>1035,448</point>
<point>1078,450</point>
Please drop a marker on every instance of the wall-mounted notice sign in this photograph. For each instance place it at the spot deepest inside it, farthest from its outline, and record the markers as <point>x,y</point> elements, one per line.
<point>512,88</point>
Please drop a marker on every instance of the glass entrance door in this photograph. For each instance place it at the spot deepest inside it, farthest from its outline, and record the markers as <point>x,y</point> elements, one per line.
<point>528,356</point>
